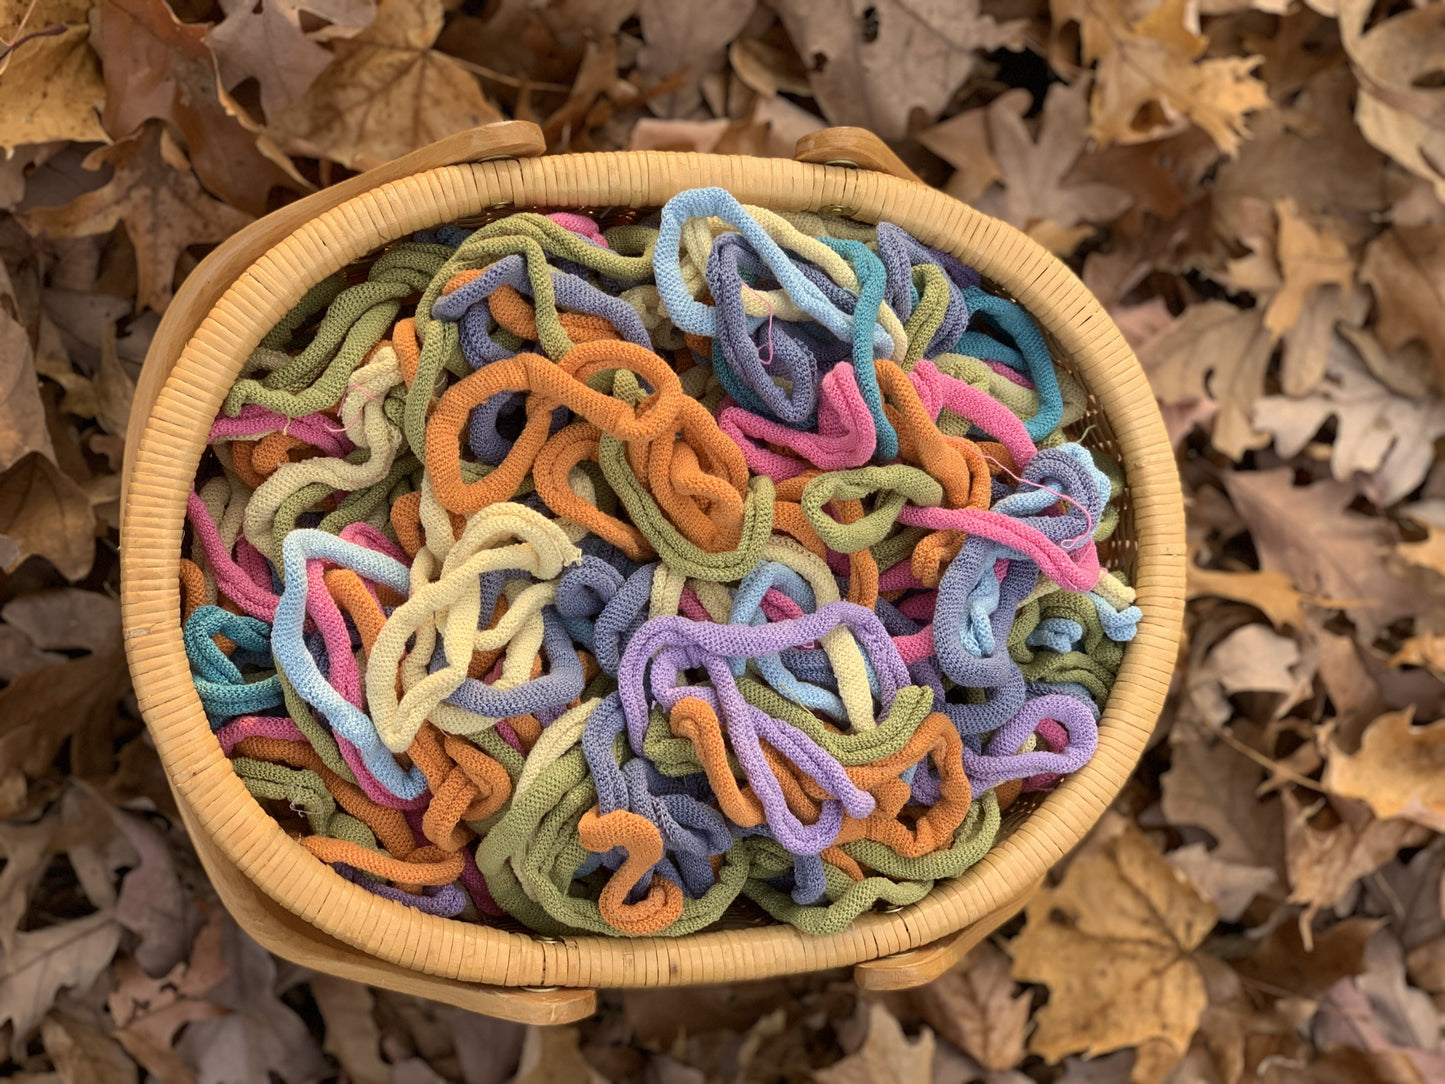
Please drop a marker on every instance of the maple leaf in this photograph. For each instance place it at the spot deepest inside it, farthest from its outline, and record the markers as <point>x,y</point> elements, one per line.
<point>1230,886</point>
<point>50,84</point>
<point>1114,943</point>
<point>962,141</point>
<point>683,42</point>
<point>1150,81</point>
<point>1387,437</point>
<point>976,1007</point>
<point>1401,105</point>
<point>265,42</point>
<point>1214,351</point>
<point>1037,193</point>
<point>387,92</point>
<point>886,1055</point>
<point>1406,269</point>
<point>157,66</point>
<point>878,65</point>
<point>160,201</point>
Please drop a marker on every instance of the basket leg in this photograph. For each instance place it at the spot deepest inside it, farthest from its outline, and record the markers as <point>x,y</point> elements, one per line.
<point>920,966</point>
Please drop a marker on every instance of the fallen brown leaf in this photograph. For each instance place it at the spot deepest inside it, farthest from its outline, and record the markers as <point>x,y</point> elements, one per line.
<point>50,84</point>
<point>886,1055</point>
<point>157,66</point>
<point>975,1007</point>
<point>265,42</point>
<point>1406,270</point>
<point>386,92</point>
<point>878,65</point>
<point>47,960</point>
<point>1114,944</point>
<point>156,195</point>
<point>1330,845</point>
<point>1399,770</point>
<point>43,513</point>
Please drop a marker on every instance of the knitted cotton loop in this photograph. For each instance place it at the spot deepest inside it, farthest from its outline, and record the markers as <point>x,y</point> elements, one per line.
<point>367,427</point>
<point>693,316</point>
<point>445,598</point>
<point>224,690</point>
<point>355,321</point>
<point>657,701</point>
<point>550,384</point>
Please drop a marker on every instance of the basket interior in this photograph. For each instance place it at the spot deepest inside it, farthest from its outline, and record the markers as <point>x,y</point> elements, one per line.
<point>1118,552</point>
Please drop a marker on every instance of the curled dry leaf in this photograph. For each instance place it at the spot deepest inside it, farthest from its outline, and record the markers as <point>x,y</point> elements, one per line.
<point>386,92</point>
<point>1114,943</point>
<point>1151,81</point>
<point>1401,105</point>
<point>50,84</point>
<point>1399,770</point>
<point>1406,270</point>
<point>1387,438</point>
<point>163,206</point>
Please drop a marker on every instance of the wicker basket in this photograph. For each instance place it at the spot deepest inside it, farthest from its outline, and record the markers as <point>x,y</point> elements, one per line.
<point>299,907</point>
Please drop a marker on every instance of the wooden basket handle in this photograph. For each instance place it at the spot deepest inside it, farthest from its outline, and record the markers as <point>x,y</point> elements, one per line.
<point>856,148</point>
<point>215,274</point>
<point>916,967</point>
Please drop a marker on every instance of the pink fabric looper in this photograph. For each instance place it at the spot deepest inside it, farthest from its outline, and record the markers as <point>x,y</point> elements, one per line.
<point>582,226</point>
<point>940,392</point>
<point>318,430</point>
<point>845,436</point>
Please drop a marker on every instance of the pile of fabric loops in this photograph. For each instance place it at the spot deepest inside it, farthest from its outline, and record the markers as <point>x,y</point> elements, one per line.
<point>600,577</point>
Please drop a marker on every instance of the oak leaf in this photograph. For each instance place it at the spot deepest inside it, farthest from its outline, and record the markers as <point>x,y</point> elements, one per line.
<point>1406,270</point>
<point>883,65</point>
<point>157,66</point>
<point>265,42</point>
<point>886,1055</point>
<point>1401,104</point>
<point>50,84</point>
<point>1151,81</point>
<point>1385,437</point>
<point>44,513</point>
<point>1331,554</point>
<point>1331,845</point>
<point>1038,194</point>
<point>83,1053</point>
<point>163,206</point>
<point>1114,942</point>
<point>1216,351</point>
<point>387,92</point>
<point>47,960</point>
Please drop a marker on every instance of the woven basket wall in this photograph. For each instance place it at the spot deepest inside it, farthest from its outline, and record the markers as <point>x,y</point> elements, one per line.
<point>341,927</point>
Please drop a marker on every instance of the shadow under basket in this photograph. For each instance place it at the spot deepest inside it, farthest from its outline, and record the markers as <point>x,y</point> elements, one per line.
<point>300,908</point>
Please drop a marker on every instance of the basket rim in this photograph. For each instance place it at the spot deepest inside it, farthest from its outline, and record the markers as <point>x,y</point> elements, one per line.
<point>174,436</point>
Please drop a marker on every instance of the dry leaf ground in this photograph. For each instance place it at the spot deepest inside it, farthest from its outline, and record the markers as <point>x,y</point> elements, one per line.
<point>1252,187</point>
